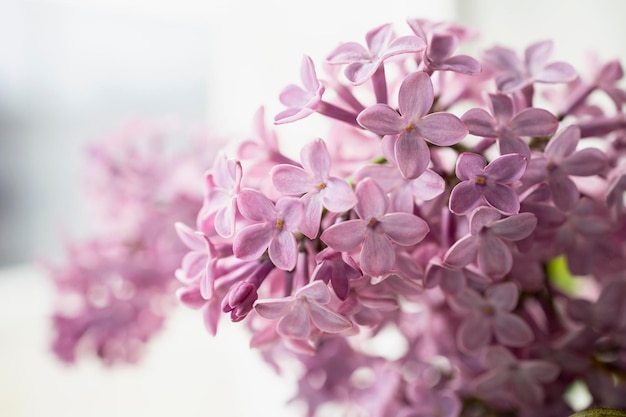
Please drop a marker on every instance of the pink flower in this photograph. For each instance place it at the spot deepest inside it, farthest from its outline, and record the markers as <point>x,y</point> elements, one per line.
<point>314,181</point>
<point>301,102</point>
<point>376,229</point>
<point>490,183</point>
<point>508,126</point>
<point>560,160</point>
<point>199,264</point>
<point>220,203</point>
<point>488,239</point>
<point>413,125</point>
<point>273,227</point>
<point>489,316</point>
<point>296,312</point>
<point>381,44</point>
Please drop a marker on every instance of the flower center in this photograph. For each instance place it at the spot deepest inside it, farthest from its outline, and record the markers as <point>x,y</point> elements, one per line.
<point>409,128</point>
<point>279,224</point>
<point>321,186</point>
<point>480,180</point>
<point>372,223</point>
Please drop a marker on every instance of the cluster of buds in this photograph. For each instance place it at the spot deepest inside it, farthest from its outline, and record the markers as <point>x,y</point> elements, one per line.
<point>473,207</point>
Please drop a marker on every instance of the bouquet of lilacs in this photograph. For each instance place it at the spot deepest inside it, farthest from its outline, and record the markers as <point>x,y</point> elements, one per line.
<point>116,288</point>
<point>473,207</point>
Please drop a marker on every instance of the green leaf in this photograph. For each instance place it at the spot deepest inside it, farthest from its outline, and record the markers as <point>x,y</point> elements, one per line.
<point>600,412</point>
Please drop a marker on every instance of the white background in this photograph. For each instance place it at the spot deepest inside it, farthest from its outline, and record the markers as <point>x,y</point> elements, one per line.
<point>73,70</point>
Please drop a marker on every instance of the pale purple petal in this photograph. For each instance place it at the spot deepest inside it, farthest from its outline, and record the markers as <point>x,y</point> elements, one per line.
<point>516,227</point>
<point>255,206</point>
<point>225,219</point>
<point>416,96</point>
<point>534,122</point>
<point>404,228</point>
<point>428,185</point>
<point>556,72</point>
<point>412,155</point>
<point>316,160</point>
<point>310,223</point>
<point>387,176</point>
<point>483,217</point>
<point>316,291</point>
<point>511,330</point>
<point>251,241</point>
<point>189,237</point>
<point>526,391</point>
<point>474,333</point>
<point>327,320</point>
<point>283,250</point>
<point>502,198</point>
<point>506,168</point>
<point>294,96</point>
<point>308,75</point>
<point>191,297</point>
<point>564,191</point>
<point>492,383</point>
<point>442,129</point>
<point>508,145</point>
<point>338,196</point>
<point>502,108</point>
<point>381,119</point>
<point>273,308</point>
<point>296,323</point>
<point>469,165</point>
<point>479,123</point>
<point>563,143</point>
<point>465,197</point>
<point>500,357</point>
<point>345,236</point>
<point>348,52</point>
<point>463,64</point>
<point>359,72</point>
<point>377,254</point>
<point>494,256</point>
<point>290,179</point>
<point>372,201</point>
<point>468,300</point>
<point>536,55</point>
<point>291,212</point>
<point>211,313</point>
<point>462,253</point>
<point>403,44</point>
<point>292,114</point>
<point>378,38</point>
<point>504,295</point>
<point>589,161</point>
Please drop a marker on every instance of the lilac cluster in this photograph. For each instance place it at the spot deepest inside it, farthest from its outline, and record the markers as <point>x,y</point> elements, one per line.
<point>116,289</point>
<point>473,207</point>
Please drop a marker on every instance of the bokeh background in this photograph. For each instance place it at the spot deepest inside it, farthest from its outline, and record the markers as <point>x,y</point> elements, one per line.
<point>72,71</point>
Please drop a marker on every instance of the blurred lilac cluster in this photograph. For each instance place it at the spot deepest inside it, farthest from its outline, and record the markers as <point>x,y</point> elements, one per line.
<point>116,289</point>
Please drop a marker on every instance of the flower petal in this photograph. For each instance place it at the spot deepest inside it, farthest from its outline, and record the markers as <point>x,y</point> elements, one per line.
<point>469,165</point>
<point>316,160</point>
<point>534,122</point>
<point>474,333</point>
<point>381,119</point>
<point>296,323</point>
<point>442,129</point>
<point>338,196</point>
<point>502,198</point>
<point>479,123</point>
<point>283,250</point>
<point>416,96</point>
<point>412,155</point>
<point>403,228</point>
<point>291,179</point>
<point>462,253</point>
<point>316,291</point>
<point>345,236</point>
<point>273,308</point>
<point>251,241</point>
<point>465,197</point>
<point>327,320</point>
<point>372,201</point>
<point>377,254</point>
<point>506,168</point>
<point>511,330</point>
<point>255,206</point>
<point>494,256</point>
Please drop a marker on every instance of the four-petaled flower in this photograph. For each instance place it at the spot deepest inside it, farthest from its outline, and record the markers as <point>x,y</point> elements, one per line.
<point>376,229</point>
<point>489,316</point>
<point>487,183</point>
<point>198,265</point>
<point>508,126</point>
<point>488,239</point>
<point>560,160</point>
<point>314,181</point>
<point>413,125</point>
<point>296,312</point>
<point>301,102</point>
<point>363,63</point>
<point>273,227</point>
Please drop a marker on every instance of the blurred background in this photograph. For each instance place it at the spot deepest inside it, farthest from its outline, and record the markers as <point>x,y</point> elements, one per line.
<point>72,71</point>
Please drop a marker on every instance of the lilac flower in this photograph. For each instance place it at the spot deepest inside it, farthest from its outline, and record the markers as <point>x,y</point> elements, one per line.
<point>199,264</point>
<point>519,381</point>
<point>295,313</point>
<point>516,74</point>
<point>220,203</point>
<point>506,125</point>
<point>488,239</point>
<point>314,181</point>
<point>301,102</point>
<point>192,298</point>
<point>560,160</point>
<point>451,281</point>
<point>273,227</point>
<point>381,44</point>
<point>376,229</point>
<point>413,125</point>
<point>442,40</point>
<point>490,183</point>
<point>489,316</point>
